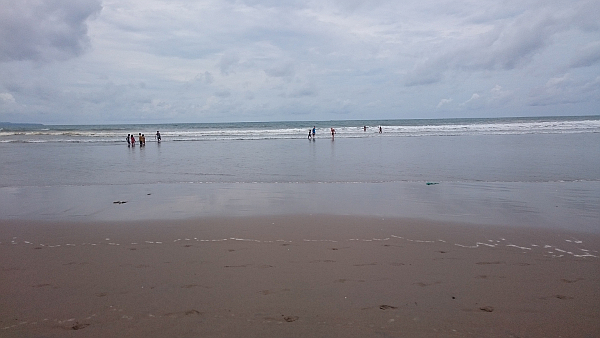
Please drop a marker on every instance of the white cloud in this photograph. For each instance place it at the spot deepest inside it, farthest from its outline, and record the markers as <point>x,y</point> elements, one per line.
<point>556,82</point>
<point>473,98</point>
<point>498,93</point>
<point>7,97</point>
<point>443,102</point>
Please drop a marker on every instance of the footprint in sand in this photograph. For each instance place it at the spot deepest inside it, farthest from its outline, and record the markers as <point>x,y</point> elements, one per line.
<point>486,277</point>
<point>189,286</point>
<point>78,326</point>
<point>343,280</point>
<point>421,284</point>
<point>42,285</point>
<point>265,266</point>
<point>284,318</point>
<point>269,292</point>
<point>563,297</point>
<point>387,307</point>
<point>183,313</point>
<point>571,280</point>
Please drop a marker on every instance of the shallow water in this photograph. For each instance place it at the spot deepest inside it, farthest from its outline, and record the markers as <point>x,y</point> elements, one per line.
<point>547,179</point>
<point>479,158</point>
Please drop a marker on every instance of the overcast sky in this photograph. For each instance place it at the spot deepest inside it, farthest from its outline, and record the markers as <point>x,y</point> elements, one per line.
<point>154,61</point>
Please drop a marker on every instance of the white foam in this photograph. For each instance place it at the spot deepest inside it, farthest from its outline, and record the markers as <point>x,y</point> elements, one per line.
<point>518,247</point>
<point>476,245</point>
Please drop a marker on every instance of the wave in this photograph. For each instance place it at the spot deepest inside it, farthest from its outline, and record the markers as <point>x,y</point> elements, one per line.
<point>299,130</point>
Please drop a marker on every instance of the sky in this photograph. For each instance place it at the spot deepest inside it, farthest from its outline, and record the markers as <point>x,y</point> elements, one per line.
<point>175,61</point>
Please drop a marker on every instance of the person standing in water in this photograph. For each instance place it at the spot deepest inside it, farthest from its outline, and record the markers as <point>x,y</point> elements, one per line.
<point>313,132</point>
<point>332,133</point>
<point>132,140</point>
<point>309,137</point>
<point>158,136</point>
<point>128,139</point>
<point>380,130</point>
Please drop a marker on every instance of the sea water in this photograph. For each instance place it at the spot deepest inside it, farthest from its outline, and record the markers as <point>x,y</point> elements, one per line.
<point>533,170</point>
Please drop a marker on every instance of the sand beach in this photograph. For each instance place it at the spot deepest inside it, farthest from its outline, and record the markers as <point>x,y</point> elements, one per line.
<point>296,276</point>
<point>281,169</point>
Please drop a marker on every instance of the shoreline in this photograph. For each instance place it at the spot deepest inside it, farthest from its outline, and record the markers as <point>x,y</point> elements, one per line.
<point>289,227</point>
<point>296,276</point>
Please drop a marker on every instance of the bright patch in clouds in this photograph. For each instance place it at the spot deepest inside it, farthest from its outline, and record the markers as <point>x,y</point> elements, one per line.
<point>443,102</point>
<point>473,99</point>
<point>93,61</point>
<point>7,97</point>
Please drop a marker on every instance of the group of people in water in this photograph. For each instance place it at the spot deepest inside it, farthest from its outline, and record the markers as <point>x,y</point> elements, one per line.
<point>141,139</point>
<point>312,132</point>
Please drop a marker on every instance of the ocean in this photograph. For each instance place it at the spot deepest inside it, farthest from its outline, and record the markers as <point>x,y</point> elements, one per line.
<point>182,132</point>
<point>508,170</point>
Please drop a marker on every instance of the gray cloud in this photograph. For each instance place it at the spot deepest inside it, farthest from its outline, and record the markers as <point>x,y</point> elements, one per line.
<point>505,44</point>
<point>587,56</point>
<point>44,30</point>
<point>587,14</point>
<point>227,62</point>
<point>223,93</point>
<point>565,90</point>
<point>286,70</point>
<point>306,90</point>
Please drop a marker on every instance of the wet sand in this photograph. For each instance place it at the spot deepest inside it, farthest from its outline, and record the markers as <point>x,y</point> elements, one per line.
<point>296,276</point>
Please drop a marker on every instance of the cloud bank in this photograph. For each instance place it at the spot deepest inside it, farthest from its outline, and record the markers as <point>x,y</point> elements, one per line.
<point>255,60</point>
<point>44,30</point>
